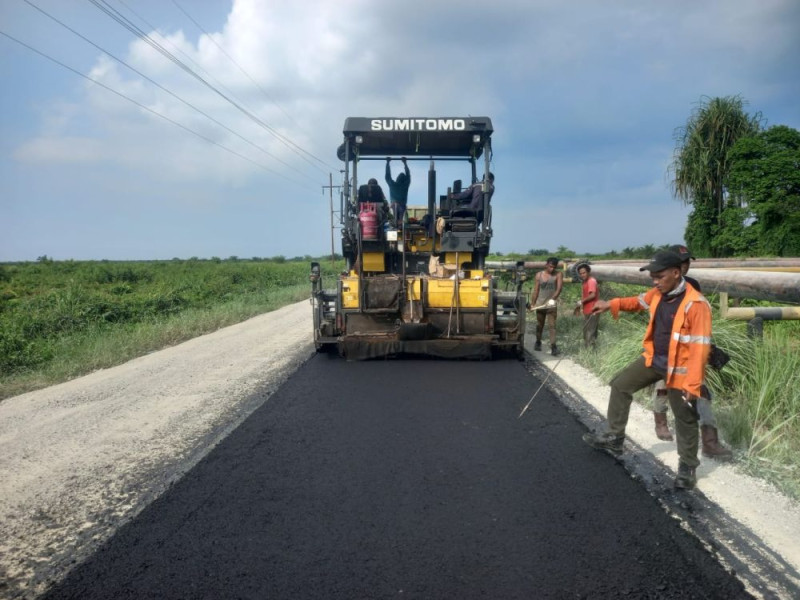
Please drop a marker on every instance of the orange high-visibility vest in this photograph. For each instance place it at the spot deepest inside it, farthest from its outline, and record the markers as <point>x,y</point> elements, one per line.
<point>690,343</point>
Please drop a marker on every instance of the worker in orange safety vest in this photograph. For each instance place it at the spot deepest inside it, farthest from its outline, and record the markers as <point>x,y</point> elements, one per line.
<point>676,348</point>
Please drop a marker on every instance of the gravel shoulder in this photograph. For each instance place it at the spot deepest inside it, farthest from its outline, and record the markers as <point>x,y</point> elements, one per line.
<point>79,459</point>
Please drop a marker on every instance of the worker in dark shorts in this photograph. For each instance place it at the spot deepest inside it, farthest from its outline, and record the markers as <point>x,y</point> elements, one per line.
<point>676,348</point>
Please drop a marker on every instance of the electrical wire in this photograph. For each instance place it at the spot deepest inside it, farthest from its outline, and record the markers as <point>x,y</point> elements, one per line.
<point>161,87</point>
<point>114,14</point>
<point>230,58</point>
<point>210,75</point>
<point>166,41</point>
<point>148,109</point>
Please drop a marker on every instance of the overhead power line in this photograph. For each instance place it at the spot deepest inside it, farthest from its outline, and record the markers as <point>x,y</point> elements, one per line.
<point>230,58</point>
<point>177,49</point>
<point>148,109</point>
<point>154,29</point>
<point>103,6</point>
<point>119,60</point>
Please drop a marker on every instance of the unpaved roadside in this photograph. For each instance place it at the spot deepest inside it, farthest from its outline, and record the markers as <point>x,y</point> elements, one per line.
<point>79,459</point>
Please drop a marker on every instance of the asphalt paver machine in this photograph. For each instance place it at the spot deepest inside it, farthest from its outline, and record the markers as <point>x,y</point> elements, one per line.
<point>419,285</point>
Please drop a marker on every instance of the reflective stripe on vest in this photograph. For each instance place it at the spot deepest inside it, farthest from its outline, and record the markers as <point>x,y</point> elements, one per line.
<point>689,304</point>
<point>642,301</point>
<point>677,370</point>
<point>691,339</point>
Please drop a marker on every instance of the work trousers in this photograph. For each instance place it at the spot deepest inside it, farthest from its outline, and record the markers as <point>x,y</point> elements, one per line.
<point>590,323</point>
<point>704,411</point>
<point>550,316</point>
<point>398,210</point>
<point>637,376</point>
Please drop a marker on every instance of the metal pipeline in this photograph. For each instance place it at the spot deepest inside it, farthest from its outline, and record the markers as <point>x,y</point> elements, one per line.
<point>768,313</point>
<point>777,264</point>
<point>714,263</point>
<point>758,285</point>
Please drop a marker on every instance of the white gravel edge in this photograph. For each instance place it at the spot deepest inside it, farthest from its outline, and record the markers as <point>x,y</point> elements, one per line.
<point>79,459</point>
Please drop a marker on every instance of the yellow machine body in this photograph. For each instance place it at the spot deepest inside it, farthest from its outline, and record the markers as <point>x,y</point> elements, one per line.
<point>350,291</point>
<point>472,293</point>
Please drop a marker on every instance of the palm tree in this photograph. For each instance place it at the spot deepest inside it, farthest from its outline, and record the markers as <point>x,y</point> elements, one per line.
<point>647,250</point>
<point>701,161</point>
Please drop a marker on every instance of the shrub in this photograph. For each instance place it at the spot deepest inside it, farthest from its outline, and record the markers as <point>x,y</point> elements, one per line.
<point>18,352</point>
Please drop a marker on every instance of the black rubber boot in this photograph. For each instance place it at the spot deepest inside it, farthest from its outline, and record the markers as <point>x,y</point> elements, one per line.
<point>537,345</point>
<point>554,350</point>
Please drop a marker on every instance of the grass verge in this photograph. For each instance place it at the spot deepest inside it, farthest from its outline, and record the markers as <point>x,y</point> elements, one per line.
<point>100,347</point>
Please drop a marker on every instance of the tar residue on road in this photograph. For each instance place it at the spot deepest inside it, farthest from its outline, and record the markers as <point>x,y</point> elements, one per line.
<point>412,478</point>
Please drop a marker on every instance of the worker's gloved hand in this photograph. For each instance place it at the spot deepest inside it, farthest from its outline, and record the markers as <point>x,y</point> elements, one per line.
<point>551,303</point>
<point>578,304</point>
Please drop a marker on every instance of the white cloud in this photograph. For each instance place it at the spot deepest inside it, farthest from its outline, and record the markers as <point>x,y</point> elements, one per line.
<point>584,97</point>
<point>320,61</point>
<point>61,150</point>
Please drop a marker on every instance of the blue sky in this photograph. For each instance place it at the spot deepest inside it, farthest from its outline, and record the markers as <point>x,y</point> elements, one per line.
<point>585,97</point>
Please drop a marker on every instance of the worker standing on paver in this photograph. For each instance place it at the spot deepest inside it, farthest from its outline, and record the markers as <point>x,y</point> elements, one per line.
<point>676,348</point>
<point>398,189</point>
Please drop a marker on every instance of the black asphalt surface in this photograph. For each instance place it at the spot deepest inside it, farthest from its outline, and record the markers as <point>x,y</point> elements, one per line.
<point>404,479</point>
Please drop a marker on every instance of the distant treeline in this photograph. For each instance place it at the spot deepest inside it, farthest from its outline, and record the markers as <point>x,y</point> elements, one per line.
<point>215,259</point>
<point>563,252</point>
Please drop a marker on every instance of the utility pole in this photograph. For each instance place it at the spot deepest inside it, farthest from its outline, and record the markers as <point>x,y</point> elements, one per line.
<point>330,188</point>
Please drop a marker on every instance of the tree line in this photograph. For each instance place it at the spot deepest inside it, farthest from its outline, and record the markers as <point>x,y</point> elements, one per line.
<point>741,179</point>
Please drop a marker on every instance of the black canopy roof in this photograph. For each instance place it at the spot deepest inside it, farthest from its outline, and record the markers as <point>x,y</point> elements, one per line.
<point>417,136</point>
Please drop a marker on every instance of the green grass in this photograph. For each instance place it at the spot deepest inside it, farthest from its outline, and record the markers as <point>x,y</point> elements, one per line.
<point>59,320</point>
<point>756,396</point>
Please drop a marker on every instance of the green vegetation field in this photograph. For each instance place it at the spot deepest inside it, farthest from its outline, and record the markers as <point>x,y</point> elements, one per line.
<point>59,320</point>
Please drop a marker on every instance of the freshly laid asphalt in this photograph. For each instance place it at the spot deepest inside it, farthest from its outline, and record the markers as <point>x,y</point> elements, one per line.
<point>404,479</point>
